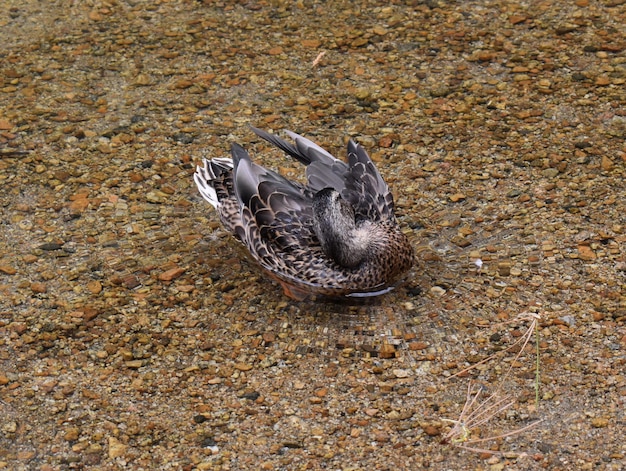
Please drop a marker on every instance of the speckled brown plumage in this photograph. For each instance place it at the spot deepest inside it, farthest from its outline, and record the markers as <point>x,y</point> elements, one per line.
<point>274,218</point>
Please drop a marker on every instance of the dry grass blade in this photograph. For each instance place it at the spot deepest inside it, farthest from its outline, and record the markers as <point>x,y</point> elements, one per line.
<point>477,413</point>
<point>523,341</point>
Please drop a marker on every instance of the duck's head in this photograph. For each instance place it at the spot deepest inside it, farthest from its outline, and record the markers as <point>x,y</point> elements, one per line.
<point>335,226</point>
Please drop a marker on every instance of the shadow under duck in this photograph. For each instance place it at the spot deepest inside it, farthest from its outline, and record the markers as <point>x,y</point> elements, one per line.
<point>335,236</point>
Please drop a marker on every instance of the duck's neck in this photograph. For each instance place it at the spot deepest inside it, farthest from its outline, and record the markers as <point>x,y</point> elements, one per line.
<point>348,247</point>
<point>335,226</point>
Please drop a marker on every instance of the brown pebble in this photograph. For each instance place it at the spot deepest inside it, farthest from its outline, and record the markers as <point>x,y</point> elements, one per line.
<point>387,351</point>
<point>61,175</point>
<point>94,15</point>
<point>603,81</point>
<point>331,371</point>
<point>431,430</point>
<point>72,434</point>
<point>116,448</point>
<point>130,281</point>
<point>171,274</point>
<point>135,177</point>
<point>8,270</point>
<point>182,84</point>
<point>311,43</point>
<point>516,19</point>
<point>94,287</point>
<point>38,287</point>
<point>586,253</point>
<point>597,316</point>
<point>606,163</point>
<point>381,437</point>
<point>599,422</point>
<point>25,455</point>
<point>79,205</point>
<point>386,141</point>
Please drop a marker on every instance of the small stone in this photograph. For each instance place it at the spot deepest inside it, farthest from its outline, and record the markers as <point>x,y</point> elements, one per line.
<point>387,351</point>
<point>182,84</point>
<point>243,366</point>
<point>437,291</point>
<point>586,253</point>
<point>455,198</point>
<point>311,43</point>
<point>94,15</point>
<point>38,287</point>
<point>413,346</point>
<point>401,373</point>
<point>603,81</point>
<point>517,19</point>
<point>431,430</point>
<point>26,455</point>
<point>550,172</point>
<point>606,163</point>
<point>9,427</point>
<point>275,51</point>
<point>359,42</point>
<point>597,316</point>
<point>157,196</point>
<point>171,274</point>
<point>599,422</point>
<point>379,30</point>
<point>116,448</point>
<point>381,437</point>
<point>8,270</point>
<point>71,434</point>
<point>79,205</point>
<point>142,80</point>
<point>129,281</point>
<point>94,287</point>
<point>135,177</point>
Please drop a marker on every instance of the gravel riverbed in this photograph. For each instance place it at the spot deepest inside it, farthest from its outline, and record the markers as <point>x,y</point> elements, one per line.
<point>136,334</point>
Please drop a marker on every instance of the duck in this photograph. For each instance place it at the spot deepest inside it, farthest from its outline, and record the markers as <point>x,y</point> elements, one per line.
<point>334,236</point>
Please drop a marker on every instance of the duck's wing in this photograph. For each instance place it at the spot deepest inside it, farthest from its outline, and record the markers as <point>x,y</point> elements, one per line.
<point>276,213</point>
<point>358,181</point>
<point>365,188</point>
<point>323,169</point>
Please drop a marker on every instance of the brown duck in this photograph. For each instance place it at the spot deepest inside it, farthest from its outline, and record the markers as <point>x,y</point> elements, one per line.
<point>335,236</point>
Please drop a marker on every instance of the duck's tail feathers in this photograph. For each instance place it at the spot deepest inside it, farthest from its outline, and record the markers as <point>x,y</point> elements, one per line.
<point>210,179</point>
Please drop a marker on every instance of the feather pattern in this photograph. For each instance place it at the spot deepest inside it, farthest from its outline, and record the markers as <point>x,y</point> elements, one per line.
<point>276,219</point>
